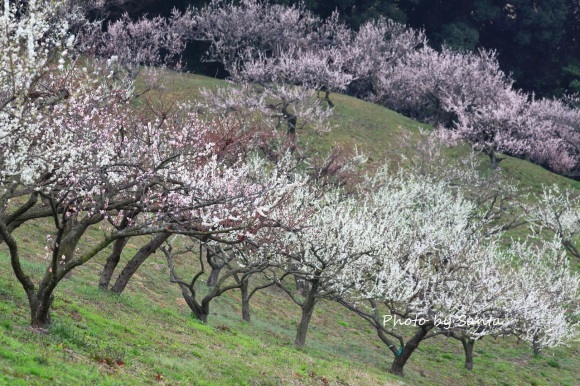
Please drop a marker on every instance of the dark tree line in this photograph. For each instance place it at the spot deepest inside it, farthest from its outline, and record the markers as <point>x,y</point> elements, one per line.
<point>537,41</point>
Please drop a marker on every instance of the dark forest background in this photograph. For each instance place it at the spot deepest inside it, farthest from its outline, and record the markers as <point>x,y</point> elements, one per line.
<point>538,41</point>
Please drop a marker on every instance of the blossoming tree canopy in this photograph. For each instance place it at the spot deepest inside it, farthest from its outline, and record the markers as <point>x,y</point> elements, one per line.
<point>437,264</point>
<point>73,149</point>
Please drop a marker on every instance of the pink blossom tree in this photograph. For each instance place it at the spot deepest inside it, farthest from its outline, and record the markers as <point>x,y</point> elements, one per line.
<point>469,94</point>
<point>429,85</point>
<point>376,49</point>
<point>461,91</point>
<point>225,141</point>
<point>279,56</point>
<point>129,44</point>
<point>235,256</point>
<point>253,28</point>
<point>497,128</point>
<point>555,134</point>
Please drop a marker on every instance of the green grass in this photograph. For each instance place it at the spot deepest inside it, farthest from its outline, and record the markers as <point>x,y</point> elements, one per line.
<point>147,336</point>
<point>148,333</point>
<point>131,339</point>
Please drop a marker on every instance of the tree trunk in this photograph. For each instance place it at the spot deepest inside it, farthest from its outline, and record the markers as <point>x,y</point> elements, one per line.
<point>307,310</point>
<point>300,285</point>
<point>111,263</point>
<point>214,276</point>
<point>327,99</point>
<point>40,310</point>
<point>246,315</point>
<point>291,121</point>
<point>494,160</point>
<point>468,348</point>
<point>202,317</point>
<point>303,326</point>
<point>405,353</point>
<point>137,260</point>
<point>199,312</point>
<point>398,365</point>
<point>537,347</point>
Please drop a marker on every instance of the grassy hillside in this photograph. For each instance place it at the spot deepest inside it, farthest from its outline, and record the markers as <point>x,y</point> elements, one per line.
<point>379,132</point>
<point>147,336</point>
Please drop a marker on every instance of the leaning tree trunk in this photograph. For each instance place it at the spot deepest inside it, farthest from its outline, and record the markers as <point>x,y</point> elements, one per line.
<point>199,311</point>
<point>137,260</point>
<point>40,301</point>
<point>468,349</point>
<point>112,262</point>
<point>403,356</point>
<point>61,264</point>
<point>115,256</point>
<point>216,266</point>
<point>307,310</point>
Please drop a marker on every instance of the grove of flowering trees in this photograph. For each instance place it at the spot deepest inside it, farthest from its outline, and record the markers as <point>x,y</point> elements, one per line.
<point>441,272</point>
<point>74,151</point>
<point>219,191</point>
<point>285,53</point>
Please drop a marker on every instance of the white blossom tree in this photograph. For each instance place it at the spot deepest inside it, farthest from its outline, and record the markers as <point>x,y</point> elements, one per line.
<point>498,199</point>
<point>438,269</point>
<point>335,231</point>
<point>539,297</point>
<point>557,213</point>
<point>544,294</point>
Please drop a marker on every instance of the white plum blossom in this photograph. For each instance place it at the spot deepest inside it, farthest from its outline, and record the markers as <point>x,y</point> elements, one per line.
<point>558,213</point>
<point>438,264</point>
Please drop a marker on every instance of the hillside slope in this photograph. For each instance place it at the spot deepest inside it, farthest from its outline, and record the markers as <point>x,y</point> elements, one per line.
<point>146,336</point>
